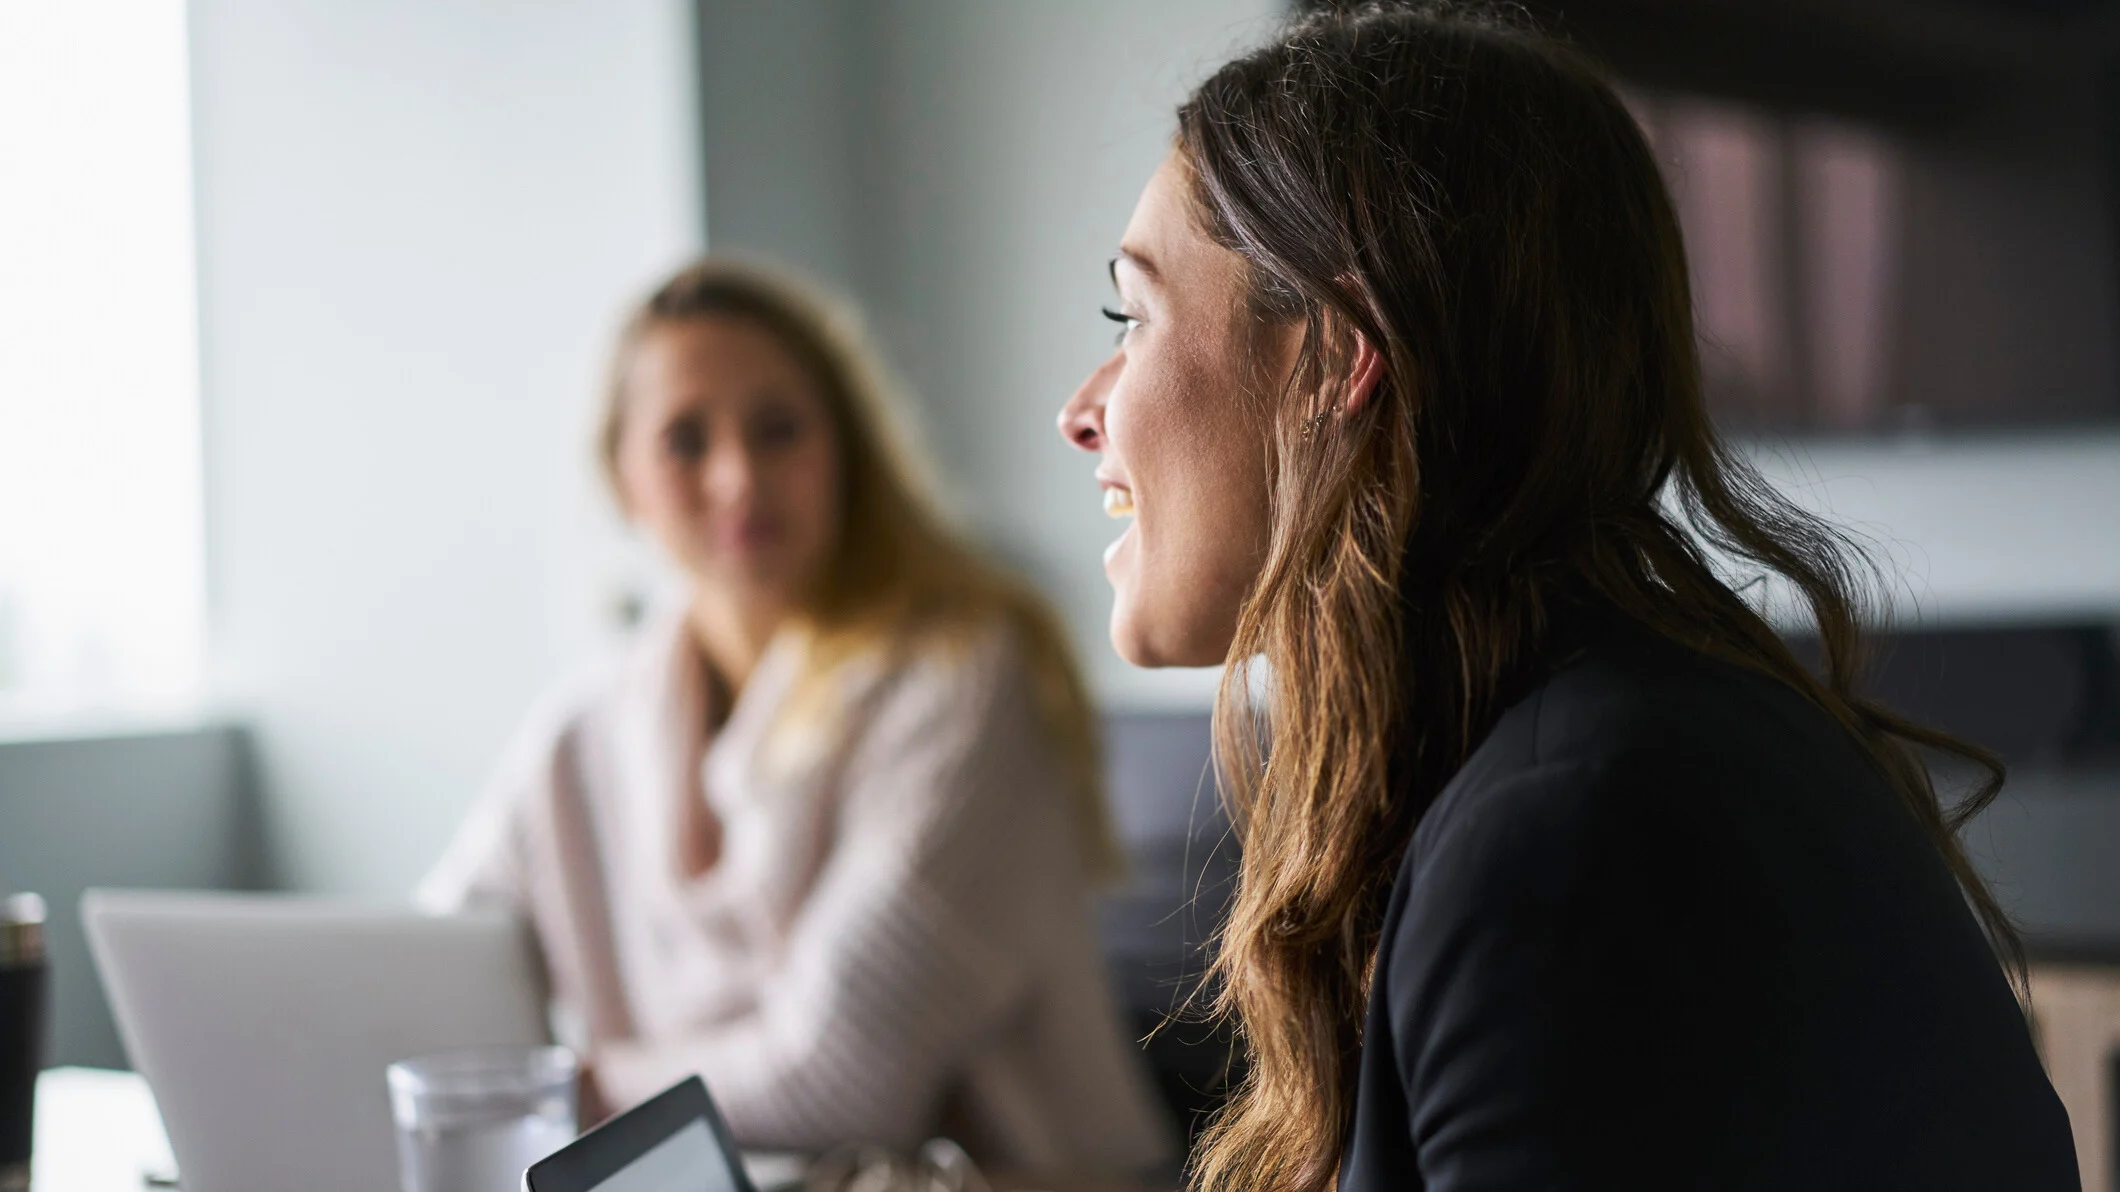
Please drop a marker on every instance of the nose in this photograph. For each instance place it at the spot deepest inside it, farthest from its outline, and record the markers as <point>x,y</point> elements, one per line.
<point>1082,418</point>
<point>730,473</point>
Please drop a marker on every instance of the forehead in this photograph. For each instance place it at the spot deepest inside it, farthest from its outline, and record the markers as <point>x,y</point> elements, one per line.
<point>1165,245</point>
<point>713,355</point>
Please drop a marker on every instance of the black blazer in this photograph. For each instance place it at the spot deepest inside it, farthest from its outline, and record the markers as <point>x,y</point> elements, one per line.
<point>1670,928</point>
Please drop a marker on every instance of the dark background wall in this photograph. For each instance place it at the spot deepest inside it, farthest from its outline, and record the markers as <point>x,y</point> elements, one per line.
<point>1993,123</point>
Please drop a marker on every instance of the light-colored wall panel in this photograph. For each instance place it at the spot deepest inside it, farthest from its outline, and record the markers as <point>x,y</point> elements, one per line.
<point>418,224</point>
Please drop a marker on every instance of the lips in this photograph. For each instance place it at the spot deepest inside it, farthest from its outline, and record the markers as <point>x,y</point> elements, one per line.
<point>748,535</point>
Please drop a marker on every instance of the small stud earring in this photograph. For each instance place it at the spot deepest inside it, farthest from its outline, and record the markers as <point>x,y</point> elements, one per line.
<point>1316,422</point>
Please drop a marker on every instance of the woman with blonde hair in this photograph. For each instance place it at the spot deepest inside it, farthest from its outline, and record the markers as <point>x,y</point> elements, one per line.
<point>826,834</point>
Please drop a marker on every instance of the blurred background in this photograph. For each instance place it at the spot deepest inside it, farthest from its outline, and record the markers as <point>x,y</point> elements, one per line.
<point>303,307</point>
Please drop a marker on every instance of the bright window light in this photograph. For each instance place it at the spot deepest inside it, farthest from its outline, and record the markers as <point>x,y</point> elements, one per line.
<point>101,557</point>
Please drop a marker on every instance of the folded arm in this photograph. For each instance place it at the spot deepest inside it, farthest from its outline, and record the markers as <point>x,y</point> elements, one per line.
<point>901,958</point>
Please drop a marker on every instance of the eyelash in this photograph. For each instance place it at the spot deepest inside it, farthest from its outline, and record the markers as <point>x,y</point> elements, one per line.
<point>1128,320</point>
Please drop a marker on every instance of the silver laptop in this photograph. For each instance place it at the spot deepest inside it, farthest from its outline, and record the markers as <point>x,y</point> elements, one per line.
<point>264,1023</point>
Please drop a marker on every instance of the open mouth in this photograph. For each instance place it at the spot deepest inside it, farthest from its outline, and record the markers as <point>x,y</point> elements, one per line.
<point>1118,503</point>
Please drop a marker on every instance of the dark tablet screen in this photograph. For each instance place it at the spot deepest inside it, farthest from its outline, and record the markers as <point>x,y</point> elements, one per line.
<point>674,1142</point>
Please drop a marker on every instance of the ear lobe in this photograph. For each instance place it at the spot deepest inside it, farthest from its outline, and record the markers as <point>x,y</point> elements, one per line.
<point>1363,377</point>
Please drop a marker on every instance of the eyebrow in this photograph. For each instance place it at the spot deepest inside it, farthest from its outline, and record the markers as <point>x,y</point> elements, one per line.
<point>1138,261</point>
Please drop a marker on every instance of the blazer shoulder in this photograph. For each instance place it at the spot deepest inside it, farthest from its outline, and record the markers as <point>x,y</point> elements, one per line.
<point>1628,719</point>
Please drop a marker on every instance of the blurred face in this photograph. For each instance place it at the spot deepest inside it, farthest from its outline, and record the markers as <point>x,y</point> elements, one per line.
<point>1184,461</point>
<point>727,455</point>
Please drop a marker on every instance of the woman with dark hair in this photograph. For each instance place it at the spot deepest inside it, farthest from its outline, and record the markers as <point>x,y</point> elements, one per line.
<point>1559,869</point>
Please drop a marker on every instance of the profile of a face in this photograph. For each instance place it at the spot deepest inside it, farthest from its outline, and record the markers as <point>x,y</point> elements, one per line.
<point>727,456</point>
<point>1184,456</point>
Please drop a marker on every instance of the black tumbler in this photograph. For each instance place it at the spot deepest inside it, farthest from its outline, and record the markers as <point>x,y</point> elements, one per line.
<point>22,1018</point>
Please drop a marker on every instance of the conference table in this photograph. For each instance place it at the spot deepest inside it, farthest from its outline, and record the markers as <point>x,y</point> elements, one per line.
<point>98,1131</point>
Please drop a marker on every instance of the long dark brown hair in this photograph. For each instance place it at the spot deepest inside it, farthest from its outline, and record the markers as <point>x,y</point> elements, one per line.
<point>1473,200</point>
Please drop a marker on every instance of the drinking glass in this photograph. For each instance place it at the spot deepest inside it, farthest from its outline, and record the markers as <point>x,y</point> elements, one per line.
<point>471,1121</point>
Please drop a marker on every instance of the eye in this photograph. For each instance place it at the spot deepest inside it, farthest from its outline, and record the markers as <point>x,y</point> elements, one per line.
<point>1126,321</point>
<point>685,440</point>
<point>777,428</point>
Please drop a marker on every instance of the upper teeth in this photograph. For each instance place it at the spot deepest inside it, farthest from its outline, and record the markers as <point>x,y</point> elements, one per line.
<point>1118,502</point>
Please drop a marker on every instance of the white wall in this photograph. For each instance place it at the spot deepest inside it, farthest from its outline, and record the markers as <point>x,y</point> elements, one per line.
<point>1977,530</point>
<point>782,87</point>
<point>1025,133</point>
<point>418,222</point>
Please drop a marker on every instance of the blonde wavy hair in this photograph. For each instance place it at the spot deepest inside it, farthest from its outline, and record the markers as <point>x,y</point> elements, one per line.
<point>900,578</point>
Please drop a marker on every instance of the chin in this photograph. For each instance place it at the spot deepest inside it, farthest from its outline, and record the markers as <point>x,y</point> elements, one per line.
<point>1132,650</point>
<point>1128,641</point>
<point>1153,647</point>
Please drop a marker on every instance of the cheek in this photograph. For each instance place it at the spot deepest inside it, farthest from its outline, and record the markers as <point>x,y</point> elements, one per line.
<point>663,498</point>
<point>1202,524</point>
<point>809,490</point>
<point>1196,465</point>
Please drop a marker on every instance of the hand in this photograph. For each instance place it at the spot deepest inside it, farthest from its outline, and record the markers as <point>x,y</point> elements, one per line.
<point>590,1107</point>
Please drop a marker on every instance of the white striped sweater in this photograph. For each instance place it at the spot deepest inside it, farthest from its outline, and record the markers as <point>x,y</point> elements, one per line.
<point>895,940</point>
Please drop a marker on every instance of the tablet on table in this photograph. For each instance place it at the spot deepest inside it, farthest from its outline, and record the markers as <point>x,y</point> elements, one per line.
<point>673,1142</point>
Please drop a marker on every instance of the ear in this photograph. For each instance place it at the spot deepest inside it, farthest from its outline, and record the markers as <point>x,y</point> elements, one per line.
<point>621,488</point>
<point>615,486</point>
<point>1363,377</point>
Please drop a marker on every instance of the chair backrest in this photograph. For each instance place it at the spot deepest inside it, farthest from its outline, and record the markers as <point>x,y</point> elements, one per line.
<point>1157,926</point>
<point>2041,694</point>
